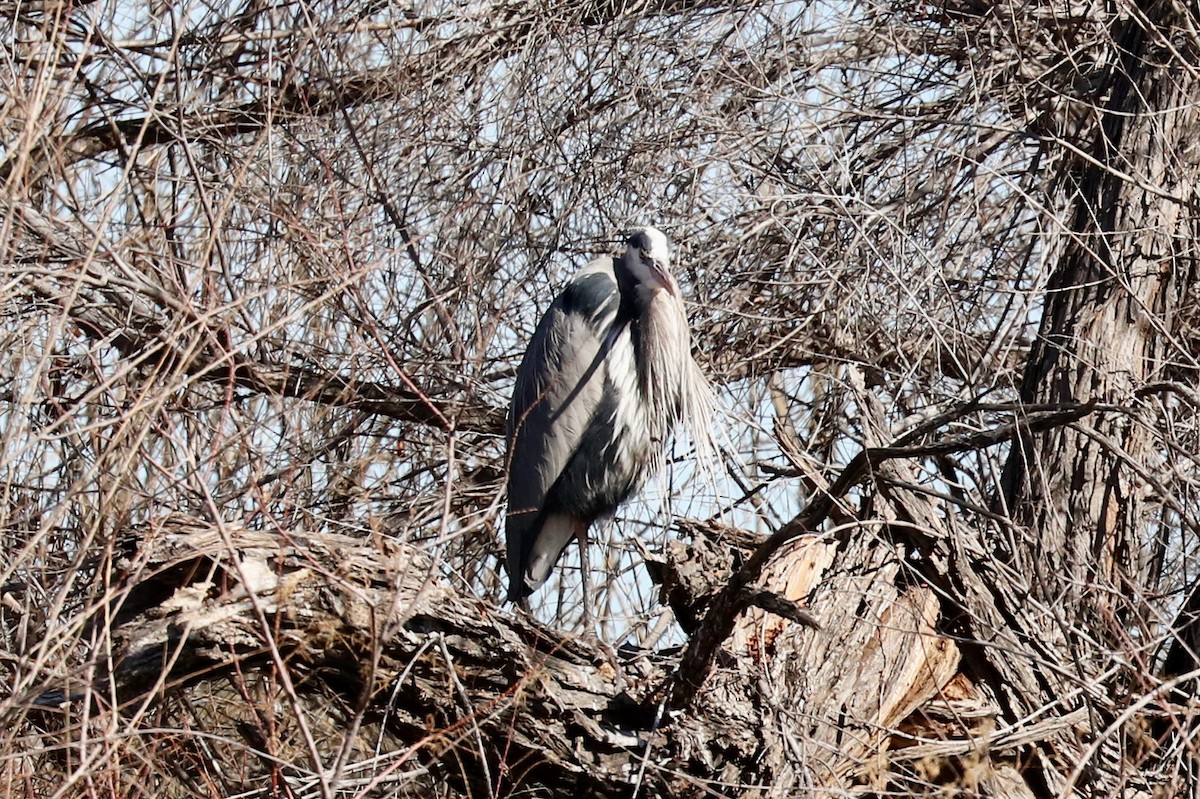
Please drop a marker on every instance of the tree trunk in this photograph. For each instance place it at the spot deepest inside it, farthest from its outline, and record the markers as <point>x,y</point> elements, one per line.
<point>1085,501</point>
<point>1080,493</point>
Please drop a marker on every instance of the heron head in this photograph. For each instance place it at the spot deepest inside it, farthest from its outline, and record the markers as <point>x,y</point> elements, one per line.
<point>648,259</point>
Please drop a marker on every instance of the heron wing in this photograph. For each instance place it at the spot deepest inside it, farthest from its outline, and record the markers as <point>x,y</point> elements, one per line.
<point>559,385</point>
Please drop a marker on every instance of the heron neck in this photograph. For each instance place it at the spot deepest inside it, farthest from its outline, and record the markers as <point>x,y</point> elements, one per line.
<point>664,349</point>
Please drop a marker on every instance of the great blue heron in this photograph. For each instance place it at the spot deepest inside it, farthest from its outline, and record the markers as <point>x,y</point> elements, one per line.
<point>605,379</point>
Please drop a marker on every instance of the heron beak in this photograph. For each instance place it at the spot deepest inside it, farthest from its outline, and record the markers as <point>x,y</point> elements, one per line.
<point>662,275</point>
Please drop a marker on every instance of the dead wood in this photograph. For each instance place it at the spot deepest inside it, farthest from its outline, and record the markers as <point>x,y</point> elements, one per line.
<point>498,704</point>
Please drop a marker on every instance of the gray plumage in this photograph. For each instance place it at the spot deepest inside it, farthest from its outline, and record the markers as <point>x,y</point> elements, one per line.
<point>604,380</point>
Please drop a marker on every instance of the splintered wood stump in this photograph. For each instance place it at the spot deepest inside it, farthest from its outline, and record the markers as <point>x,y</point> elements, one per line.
<point>874,699</point>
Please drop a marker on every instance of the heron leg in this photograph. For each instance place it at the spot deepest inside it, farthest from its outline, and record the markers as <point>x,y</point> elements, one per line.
<point>589,621</point>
